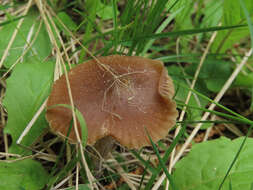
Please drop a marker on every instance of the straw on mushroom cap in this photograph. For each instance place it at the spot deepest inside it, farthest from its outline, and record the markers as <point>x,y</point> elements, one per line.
<point>134,94</point>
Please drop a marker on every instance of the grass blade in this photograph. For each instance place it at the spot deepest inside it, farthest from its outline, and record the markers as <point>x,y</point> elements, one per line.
<point>216,103</point>
<point>160,29</point>
<point>183,32</point>
<point>247,15</point>
<point>147,164</point>
<point>11,20</point>
<point>162,164</point>
<point>115,25</point>
<point>166,156</point>
<point>240,120</point>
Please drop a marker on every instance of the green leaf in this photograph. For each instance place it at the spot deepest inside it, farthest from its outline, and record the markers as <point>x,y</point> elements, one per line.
<point>24,174</point>
<point>10,20</point>
<point>244,80</point>
<point>213,72</point>
<point>105,12</point>
<point>26,89</point>
<point>67,21</point>
<point>232,15</point>
<point>247,15</point>
<point>32,30</point>
<point>206,165</point>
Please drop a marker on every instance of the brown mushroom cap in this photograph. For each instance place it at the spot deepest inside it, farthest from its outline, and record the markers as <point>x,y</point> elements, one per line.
<point>121,107</point>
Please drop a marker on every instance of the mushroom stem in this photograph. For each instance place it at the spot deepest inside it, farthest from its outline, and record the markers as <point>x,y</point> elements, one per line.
<point>103,147</point>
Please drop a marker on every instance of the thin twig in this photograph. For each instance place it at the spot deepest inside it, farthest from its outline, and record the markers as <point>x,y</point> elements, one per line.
<point>209,128</point>
<point>62,182</point>
<point>124,176</point>
<point>77,172</point>
<point>7,155</point>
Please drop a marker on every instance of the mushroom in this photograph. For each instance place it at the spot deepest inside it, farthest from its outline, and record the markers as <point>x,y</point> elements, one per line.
<point>120,97</point>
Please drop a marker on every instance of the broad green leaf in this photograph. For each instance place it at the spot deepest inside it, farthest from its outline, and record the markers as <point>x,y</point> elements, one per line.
<point>244,80</point>
<point>248,18</point>
<point>104,11</point>
<point>206,165</point>
<point>22,175</point>
<point>214,73</point>
<point>32,35</point>
<point>67,21</point>
<point>232,15</point>
<point>26,89</point>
